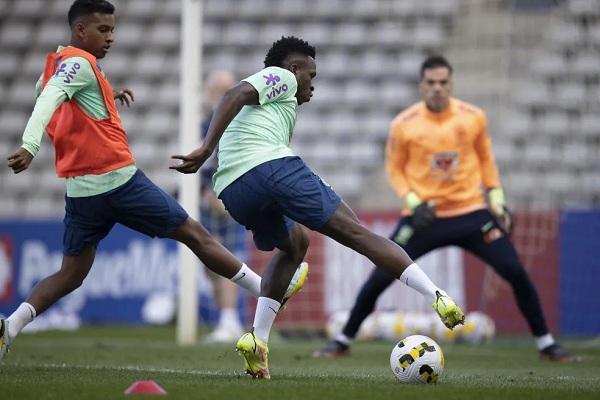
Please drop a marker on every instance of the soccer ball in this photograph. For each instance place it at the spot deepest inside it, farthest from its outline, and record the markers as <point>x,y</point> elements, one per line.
<point>417,359</point>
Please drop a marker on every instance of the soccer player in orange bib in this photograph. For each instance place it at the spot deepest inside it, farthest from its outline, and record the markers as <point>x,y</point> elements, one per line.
<point>438,156</point>
<point>76,107</point>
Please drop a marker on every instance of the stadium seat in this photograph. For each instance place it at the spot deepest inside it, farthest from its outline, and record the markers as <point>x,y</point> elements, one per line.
<point>151,65</point>
<point>291,9</point>
<point>585,65</point>
<point>160,124</point>
<point>51,34</point>
<point>551,66</point>
<point>15,34</point>
<point>583,8</point>
<point>569,96</point>
<point>391,34</point>
<point>211,33</point>
<point>555,124</point>
<point>254,9</point>
<point>429,37</point>
<point>318,34</point>
<point>22,93</point>
<point>141,9</point>
<point>328,9</point>
<point>8,64</point>
<point>240,34</point>
<point>32,67</point>
<point>28,9</point>
<point>129,36</point>
<point>350,34</point>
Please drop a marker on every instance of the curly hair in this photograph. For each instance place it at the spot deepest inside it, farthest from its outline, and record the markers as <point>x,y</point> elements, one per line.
<point>81,8</point>
<point>286,46</point>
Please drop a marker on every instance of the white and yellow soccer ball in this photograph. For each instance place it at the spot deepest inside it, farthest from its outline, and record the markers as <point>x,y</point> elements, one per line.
<point>417,359</point>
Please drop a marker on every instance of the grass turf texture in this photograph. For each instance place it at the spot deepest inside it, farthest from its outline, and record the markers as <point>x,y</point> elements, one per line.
<point>100,363</point>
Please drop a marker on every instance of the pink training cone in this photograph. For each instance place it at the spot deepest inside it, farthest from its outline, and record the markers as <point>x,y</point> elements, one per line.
<point>146,387</point>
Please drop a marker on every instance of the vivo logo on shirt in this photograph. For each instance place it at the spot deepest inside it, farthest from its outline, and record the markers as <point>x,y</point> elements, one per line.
<point>68,74</point>
<point>277,91</point>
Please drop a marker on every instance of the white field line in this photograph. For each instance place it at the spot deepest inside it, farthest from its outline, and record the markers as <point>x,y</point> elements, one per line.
<point>130,368</point>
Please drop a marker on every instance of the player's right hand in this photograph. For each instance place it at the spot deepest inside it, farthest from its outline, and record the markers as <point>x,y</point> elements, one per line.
<point>19,160</point>
<point>423,216</point>
<point>192,162</point>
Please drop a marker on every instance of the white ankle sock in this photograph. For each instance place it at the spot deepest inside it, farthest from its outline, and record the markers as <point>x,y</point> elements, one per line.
<point>340,337</point>
<point>266,311</point>
<point>414,277</point>
<point>247,279</point>
<point>23,315</point>
<point>544,341</point>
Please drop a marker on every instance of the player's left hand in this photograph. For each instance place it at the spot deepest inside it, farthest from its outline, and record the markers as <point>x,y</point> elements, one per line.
<point>192,162</point>
<point>19,160</point>
<point>498,209</point>
<point>423,216</point>
<point>124,95</point>
<point>505,220</point>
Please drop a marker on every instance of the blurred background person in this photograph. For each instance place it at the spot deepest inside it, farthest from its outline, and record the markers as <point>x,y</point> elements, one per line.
<point>220,224</point>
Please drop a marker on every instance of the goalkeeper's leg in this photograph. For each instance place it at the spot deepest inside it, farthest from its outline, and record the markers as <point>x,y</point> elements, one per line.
<point>501,255</point>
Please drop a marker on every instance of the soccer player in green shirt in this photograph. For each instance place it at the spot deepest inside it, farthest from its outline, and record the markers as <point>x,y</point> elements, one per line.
<point>268,189</point>
<point>104,186</point>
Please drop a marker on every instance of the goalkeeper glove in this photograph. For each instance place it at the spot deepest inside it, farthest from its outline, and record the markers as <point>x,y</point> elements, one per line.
<point>422,213</point>
<point>499,210</point>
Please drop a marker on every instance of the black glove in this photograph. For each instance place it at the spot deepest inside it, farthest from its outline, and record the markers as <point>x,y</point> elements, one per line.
<point>423,216</point>
<point>505,221</point>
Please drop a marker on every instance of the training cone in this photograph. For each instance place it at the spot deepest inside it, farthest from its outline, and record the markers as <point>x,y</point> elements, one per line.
<point>145,387</point>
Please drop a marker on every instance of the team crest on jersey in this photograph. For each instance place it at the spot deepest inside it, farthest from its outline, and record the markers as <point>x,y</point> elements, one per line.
<point>443,165</point>
<point>445,161</point>
<point>272,79</point>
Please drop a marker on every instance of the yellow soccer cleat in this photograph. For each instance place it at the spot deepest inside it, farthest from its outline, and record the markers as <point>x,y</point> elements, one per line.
<point>297,282</point>
<point>256,355</point>
<point>450,314</point>
<point>4,340</point>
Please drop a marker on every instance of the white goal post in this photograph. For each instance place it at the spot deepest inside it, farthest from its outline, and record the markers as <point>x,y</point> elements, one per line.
<point>189,185</point>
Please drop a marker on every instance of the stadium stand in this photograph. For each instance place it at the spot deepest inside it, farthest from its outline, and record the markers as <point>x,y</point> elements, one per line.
<point>546,129</point>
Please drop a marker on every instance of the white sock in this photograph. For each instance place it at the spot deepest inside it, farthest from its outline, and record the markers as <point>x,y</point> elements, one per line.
<point>340,337</point>
<point>266,311</point>
<point>23,315</point>
<point>247,279</point>
<point>414,277</point>
<point>544,341</point>
<point>229,318</point>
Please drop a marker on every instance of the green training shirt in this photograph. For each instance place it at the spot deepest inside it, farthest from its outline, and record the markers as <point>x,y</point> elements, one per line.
<point>259,133</point>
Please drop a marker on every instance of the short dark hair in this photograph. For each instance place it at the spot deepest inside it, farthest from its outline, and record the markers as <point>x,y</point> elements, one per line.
<point>286,46</point>
<point>434,62</point>
<point>81,8</point>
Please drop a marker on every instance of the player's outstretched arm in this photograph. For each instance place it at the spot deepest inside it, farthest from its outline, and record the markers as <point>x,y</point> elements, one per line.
<point>19,160</point>
<point>230,105</point>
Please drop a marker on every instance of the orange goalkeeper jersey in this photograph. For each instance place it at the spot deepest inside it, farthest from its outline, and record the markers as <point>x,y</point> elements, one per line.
<point>443,157</point>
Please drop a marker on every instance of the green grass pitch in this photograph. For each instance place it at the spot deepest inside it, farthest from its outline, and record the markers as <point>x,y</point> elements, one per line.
<point>101,362</point>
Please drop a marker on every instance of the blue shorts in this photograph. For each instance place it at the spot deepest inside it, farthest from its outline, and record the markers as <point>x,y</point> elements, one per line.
<point>269,197</point>
<point>138,204</point>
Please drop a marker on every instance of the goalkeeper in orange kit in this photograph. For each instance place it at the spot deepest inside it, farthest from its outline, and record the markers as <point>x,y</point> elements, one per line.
<point>438,157</point>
